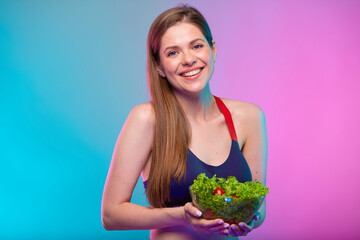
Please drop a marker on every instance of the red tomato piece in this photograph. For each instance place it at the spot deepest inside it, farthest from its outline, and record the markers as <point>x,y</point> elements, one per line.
<point>235,196</point>
<point>218,191</point>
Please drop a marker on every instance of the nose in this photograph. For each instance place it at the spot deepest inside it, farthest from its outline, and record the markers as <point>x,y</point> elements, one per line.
<point>188,59</point>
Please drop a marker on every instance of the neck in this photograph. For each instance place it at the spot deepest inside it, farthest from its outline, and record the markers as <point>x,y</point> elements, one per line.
<point>198,107</point>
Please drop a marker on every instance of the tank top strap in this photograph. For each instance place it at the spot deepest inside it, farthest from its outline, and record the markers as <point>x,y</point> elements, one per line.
<point>228,119</point>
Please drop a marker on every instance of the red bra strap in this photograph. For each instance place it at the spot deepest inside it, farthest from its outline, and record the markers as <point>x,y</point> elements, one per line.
<point>228,119</point>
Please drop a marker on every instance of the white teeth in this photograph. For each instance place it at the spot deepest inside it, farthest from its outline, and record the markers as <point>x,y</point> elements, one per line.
<point>192,73</point>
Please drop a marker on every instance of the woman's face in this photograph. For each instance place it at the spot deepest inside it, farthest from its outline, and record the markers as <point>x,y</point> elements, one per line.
<point>186,58</point>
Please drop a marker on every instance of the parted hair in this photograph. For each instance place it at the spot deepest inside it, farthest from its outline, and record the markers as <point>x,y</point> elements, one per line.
<point>172,130</point>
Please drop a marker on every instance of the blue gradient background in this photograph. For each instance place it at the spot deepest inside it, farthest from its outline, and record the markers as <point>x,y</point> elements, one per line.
<point>72,70</point>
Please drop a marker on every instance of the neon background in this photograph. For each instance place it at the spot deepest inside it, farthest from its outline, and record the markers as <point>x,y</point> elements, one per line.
<point>72,70</point>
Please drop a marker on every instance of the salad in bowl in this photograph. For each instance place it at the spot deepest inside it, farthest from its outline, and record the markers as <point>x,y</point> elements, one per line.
<point>227,199</point>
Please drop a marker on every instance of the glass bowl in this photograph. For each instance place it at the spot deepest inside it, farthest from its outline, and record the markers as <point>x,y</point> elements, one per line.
<point>230,209</point>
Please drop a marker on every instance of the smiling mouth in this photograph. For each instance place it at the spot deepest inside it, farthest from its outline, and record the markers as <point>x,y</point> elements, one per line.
<point>191,73</point>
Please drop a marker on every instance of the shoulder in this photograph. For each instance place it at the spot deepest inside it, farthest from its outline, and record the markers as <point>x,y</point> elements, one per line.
<point>143,114</point>
<point>140,123</point>
<point>244,111</point>
<point>248,118</point>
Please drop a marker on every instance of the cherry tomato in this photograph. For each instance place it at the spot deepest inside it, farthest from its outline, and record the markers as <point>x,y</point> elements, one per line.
<point>218,191</point>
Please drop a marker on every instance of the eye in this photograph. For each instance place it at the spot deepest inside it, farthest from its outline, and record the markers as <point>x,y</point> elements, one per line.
<point>171,53</point>
<point>197,46</point>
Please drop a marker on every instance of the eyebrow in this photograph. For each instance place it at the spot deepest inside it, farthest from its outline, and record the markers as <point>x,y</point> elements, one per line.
<point>197,39</point>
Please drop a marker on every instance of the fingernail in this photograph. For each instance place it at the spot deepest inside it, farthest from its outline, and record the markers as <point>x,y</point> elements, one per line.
<point>241,225</point>
<point>233,227</point>
<point>226,225</point>
<point>220,222</point>
<point>198,213</point>
<point>226,232</point>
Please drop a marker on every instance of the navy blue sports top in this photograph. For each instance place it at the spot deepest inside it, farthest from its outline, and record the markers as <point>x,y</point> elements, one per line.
<point>235,165</point>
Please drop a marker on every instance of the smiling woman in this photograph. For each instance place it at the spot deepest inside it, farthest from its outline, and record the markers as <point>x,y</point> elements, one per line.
<point>186,58</point>
<point>183,131</point>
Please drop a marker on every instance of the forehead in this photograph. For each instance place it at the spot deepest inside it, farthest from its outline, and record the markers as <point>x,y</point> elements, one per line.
<point>180,34</point>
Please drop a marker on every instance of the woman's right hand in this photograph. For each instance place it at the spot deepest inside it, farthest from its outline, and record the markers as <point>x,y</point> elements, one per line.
<point>193,217</point>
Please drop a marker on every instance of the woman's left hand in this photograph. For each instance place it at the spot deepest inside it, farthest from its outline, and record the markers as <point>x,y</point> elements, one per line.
<point>242,229</point>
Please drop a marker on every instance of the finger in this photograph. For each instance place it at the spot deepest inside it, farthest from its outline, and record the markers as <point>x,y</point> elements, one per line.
<point>245,227</point>
<point>212,223</point>
<point>232,232</point>
<point>193,211</point>
<point>257,216</point>
<point>209,225</point>
<point>220,227</point>
<point>237,231</point>
<point>224,232</point>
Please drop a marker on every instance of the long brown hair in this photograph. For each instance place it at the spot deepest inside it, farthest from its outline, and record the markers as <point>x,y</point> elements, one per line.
<point>172,129</point>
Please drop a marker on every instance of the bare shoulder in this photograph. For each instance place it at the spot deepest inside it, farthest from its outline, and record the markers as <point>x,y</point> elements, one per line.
<point>139,126</point>
<point>244,111</point>
<point>143,114</point>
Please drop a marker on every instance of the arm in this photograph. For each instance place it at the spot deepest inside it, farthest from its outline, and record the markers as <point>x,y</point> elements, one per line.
<point>130,156</point>
<point>255,151</point>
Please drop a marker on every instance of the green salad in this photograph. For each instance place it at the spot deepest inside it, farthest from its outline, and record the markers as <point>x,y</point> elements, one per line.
<point>227,198</point>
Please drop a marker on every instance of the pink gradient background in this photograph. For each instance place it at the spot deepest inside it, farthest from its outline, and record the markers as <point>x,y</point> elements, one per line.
<point>300,62</point>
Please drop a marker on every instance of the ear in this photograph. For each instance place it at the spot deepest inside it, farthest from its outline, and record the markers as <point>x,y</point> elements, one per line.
<point>159,70</point>
<point>214,49</point>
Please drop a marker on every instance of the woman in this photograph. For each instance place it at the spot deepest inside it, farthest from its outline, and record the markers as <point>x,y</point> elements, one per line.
<point>182,132</point>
